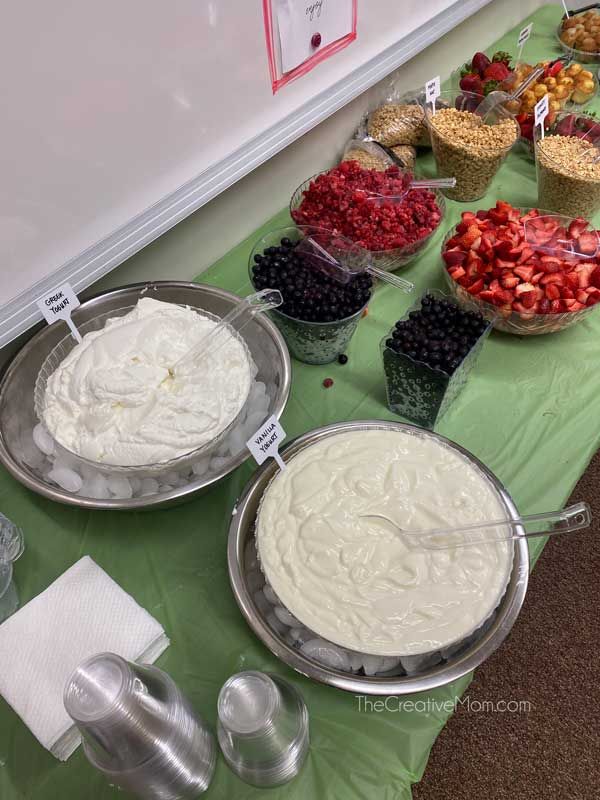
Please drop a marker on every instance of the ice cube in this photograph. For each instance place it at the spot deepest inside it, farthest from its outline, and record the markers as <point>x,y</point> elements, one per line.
<point>326,653</point>
<point>119,487</point>
<point>355,659</point>
<point>136,485</point>
<point>372,664</point>
<point>389,664</point>
<point>169,477</point>
<point>275,624</point>
<point>67,479</point>
<point>165,487</point>
<point>416,664</point>
<point>95,487</point>
<point>236,441</point>
<point>270,595</point>
<point>254,580</point>
<point>261,603</point>
<point>217,463</point>
<point>149,486</point>
<point>43,440</point>
<point>200,467</point>
<point>288,619</point>
<point>254,422</point>
<point>30,452</point>
<point>250,556</point>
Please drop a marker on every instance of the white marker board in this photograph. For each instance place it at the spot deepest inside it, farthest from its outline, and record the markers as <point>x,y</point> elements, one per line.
<point>120,119</point>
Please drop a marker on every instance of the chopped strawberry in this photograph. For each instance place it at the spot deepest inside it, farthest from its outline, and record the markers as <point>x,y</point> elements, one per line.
<point>554,277</point>
<point>537,277</point>
<point>556,306</point>
<point>587,243</point>
<point>528,299</point>
<point>551,264</point>
<point>526,273</point>
<point>553,292</point>
<point>457,272</point>
<point>475,288</point>
<point>524,287</point>
<point>582,296</point>
<point>509,281</point>
<point>454,256</point>
<point>595,278</point>
<point>577,227</point>
<point>470,236</point>
<point>544,306</point>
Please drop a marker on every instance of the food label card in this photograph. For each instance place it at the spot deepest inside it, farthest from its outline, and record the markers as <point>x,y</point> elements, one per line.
<point>58,304</point>
<point>265,442</point>
<point>540,112</point>
<point>306,26</point>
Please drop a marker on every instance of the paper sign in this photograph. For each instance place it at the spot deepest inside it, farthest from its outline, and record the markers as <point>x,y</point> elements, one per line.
<point>432,91</point>
<point>540,112</point>
<point>265,442</point>
<point>524,35</point>
<point>308,26</point>
<point>58,304</point>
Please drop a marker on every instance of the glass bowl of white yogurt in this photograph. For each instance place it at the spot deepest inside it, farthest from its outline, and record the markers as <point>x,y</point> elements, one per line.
<point>345,600</point>
<point>115,403</point>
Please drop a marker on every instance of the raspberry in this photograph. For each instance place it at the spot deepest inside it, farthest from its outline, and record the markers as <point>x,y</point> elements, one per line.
<point>338,200</point>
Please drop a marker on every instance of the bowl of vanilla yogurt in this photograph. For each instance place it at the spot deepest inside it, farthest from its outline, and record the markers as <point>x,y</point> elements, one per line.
<point>108,423</point>
<point>345,598</point>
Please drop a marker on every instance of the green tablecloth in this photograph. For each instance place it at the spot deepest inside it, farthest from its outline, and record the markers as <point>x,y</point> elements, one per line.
<point>528,411</point>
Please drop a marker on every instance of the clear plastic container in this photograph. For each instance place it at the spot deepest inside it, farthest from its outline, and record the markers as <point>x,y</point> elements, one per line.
<point>309,342</point>
<point>368,154</point>
<point>473,165</point>
<point>513,322</point>
<point>569,181</point>
<point>11,548</point>
<point>418,392</point>
<point>62,350</point>
<point>389,260</point>
<point>395,117</point>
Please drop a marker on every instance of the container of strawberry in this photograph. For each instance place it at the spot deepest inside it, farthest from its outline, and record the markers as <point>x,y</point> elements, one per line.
<point>568,165</point>
<point>482,75</point>
<point>428,356</point>
<point>528,271</point>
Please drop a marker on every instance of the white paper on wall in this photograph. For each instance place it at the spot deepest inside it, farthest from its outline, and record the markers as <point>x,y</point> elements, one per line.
<point>299,21</point>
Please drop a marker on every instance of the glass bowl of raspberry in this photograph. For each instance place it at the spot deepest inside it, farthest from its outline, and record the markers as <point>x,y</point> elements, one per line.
<point>320,313</point>
<point>527,270</point>
<point>372,209</point>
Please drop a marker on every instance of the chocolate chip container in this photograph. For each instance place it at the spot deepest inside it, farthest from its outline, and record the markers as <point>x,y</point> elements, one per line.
<point>278,630</point>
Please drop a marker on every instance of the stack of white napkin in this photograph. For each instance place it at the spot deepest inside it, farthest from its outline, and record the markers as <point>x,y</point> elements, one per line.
<point>82,613</point>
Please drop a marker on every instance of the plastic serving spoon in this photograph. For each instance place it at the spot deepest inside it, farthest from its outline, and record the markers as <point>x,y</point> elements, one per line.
<point>241,314</point>
<point>409,185</point>
<point>351,260</point>
<point>489,108</point>
<point>568,520</point>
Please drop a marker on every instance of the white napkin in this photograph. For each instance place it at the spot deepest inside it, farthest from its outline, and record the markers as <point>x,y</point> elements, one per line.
<point>82,613</point>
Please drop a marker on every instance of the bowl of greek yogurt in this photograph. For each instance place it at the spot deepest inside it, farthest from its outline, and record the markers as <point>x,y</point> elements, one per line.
<point>346,599</point>
<point>103,424</point>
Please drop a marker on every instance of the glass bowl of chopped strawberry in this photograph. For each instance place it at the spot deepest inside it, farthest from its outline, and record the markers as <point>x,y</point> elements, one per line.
<point>529,271</point>
<point>372,209</point>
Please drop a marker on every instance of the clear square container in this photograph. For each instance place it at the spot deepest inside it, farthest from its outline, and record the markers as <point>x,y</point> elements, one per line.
<point>418,392</point>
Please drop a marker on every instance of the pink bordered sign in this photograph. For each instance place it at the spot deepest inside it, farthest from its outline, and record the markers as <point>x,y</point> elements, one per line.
<point>302,33</point>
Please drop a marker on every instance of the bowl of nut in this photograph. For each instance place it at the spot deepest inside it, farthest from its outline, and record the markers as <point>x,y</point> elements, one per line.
<point>466,147</point>
<point>359,204</point>
<point>568,165</point>
<point>526,270</point>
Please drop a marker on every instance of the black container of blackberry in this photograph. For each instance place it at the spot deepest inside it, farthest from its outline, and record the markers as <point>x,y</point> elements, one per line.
<point>322,305</point>
<point>428,355</point>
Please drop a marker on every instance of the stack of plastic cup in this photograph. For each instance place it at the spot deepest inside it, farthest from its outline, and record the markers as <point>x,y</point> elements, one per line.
<point>11,548</point>
<point>262,728</point>
<point>139,729</point>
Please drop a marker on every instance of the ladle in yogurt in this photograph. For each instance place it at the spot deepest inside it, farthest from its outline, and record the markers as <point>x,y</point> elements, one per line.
<point>550,523</point>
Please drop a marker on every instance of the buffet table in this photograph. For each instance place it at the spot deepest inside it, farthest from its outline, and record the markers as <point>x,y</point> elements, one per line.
<point>528,412</point>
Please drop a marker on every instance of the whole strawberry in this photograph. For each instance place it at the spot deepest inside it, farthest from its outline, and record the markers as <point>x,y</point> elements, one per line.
<point>471,83</point>
<point>480,62</point>
<point>498,71</point>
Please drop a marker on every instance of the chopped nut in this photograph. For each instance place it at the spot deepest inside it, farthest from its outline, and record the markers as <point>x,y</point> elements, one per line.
<point>394,124</point>
<point>366,160</point>
<point>469,150</point>
<point>568,182</point>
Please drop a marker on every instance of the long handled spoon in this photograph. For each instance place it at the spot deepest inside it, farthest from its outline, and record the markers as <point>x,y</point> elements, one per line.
<point>241,314</point>
<point>551,523</point>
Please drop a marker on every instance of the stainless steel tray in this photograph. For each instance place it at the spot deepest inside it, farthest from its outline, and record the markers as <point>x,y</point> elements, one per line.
<point>241,531</point>
<point>17,414</point>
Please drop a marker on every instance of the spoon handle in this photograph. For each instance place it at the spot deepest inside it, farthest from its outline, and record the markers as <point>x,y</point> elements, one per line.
<point>550,523</point>
<point>241,313</point>
<point>393,280</point>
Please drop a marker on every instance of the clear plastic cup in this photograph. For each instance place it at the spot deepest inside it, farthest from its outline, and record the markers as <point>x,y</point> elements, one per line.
<point>11,548</point>
<point>310,342</point>
<point>262,728</point>
<point>474,164</point>
<point>568,180</point>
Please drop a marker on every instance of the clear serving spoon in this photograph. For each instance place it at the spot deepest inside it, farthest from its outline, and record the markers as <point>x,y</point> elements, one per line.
<point>551,523</point>
<point>241,314</point>
<point>549,234</point>
<point>343,260</point>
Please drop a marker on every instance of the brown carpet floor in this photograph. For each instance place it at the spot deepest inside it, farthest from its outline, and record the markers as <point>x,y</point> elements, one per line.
<point>551,659</point>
